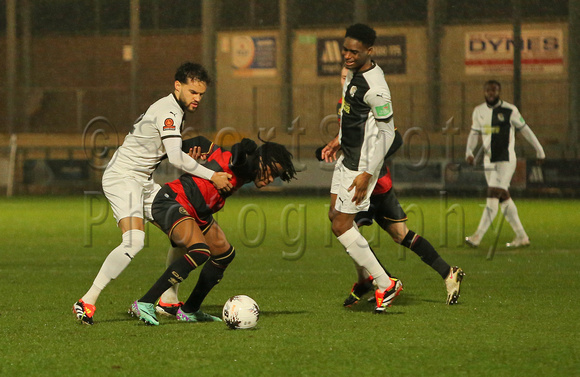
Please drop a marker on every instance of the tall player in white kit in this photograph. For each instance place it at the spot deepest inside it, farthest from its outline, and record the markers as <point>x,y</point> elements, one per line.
<point>496,122</point>
<point>127,180</point>
<point>366,134</point>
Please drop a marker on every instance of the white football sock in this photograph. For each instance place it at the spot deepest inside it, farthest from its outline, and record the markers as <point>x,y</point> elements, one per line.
<point>359,250</point>
<point>115,263</point>
<point>489,213</point>
<point>170,295</point>
<point>510,211</point>
<point>361,272</point>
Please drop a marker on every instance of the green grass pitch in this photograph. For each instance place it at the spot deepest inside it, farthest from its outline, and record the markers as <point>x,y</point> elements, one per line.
<point>518,313</point>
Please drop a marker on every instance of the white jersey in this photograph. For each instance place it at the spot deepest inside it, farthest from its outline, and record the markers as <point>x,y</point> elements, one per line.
<point>497,126</point>
<point>366,99</point>
<point>143,149</point>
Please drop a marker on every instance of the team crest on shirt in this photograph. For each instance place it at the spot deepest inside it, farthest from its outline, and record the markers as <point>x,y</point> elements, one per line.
<point>183,211</point>
<point>352,90</point>
<point>168,125</point>
<point>500,117</point>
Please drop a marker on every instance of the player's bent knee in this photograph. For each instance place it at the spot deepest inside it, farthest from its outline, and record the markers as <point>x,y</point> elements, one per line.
<point>219,246</point>
<point>331,214</point>
<point>197,254</point>
<point>339,228</point>
<point>398,238</point>
<point>398,231</point>
<point>409,239</point>
<point>224,259</point>
<point>133,242</point>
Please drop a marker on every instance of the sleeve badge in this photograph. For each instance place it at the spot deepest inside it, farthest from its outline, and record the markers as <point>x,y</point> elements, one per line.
<point>168,125</point>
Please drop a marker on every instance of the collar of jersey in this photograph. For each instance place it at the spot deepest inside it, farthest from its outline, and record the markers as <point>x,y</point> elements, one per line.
<point>178,104</point>
<point>498,104</point>
<point>373,65</point>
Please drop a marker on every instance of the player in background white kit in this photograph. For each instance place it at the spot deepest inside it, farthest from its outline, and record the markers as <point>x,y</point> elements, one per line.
<point>496,122</point>
<point>127,180</point>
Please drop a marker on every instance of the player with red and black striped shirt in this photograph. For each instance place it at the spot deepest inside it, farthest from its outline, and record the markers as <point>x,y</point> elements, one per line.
<point>184,210</point>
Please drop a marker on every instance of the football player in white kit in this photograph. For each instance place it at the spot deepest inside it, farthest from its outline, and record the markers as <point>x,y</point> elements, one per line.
<point>366,134</point>
<point>127,180</point>
<point>496,122</point>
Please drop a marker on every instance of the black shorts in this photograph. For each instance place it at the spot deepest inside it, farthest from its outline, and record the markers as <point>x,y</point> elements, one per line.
<point>385,209</point>
<point>169,209</point>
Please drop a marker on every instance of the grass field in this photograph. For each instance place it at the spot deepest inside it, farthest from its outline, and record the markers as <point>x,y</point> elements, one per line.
<point>518,314</point>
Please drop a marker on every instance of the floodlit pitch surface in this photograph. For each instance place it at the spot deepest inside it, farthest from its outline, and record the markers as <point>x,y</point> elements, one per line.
<point>517,314</point>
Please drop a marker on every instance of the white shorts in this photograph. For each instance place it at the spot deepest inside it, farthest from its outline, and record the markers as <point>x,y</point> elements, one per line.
<point>499,174</point>
<point>341,180</point>
<point>129,196</point>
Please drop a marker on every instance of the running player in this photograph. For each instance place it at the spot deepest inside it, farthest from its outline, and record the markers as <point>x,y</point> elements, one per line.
<point>388,213</point>
<point>183,209</point>
<point>495,121</point>
<point>386,210</point>
<point>127,180</point>
<point>366,134</point>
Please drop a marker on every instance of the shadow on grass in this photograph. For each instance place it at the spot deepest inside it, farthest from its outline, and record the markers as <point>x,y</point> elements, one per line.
<point>213,309</point>
<point>210,309</point>
<point>127,318</point>
<point>282,312</point>
<point>403,300</point>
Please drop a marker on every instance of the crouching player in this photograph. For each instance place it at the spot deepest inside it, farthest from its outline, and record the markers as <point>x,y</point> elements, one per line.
<point>184,210</point>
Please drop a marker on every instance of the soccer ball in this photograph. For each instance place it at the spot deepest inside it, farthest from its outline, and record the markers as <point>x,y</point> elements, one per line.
<point>241,312</point>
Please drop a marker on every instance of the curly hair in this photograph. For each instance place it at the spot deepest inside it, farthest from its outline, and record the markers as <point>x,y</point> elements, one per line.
<point>363,33</point>
<point>192,71</point>
<point>270,154</point>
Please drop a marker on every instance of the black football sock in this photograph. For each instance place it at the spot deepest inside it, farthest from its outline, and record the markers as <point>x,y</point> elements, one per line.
<point>210,275</point>
<point>427,252</point>
<point>178,271</point>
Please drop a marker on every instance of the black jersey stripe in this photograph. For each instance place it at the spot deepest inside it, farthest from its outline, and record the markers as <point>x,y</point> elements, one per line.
<point>500,137</point>
<point>168,136</point>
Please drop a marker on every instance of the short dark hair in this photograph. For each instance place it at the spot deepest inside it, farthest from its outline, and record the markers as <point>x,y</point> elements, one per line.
<point>363,33</point>
<point>270,154</point>
<point>492,82</point>
<point>192,71</point>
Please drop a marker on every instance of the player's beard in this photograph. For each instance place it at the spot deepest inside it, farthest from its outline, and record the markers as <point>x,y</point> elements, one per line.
<point>185,106</point>
<point>493,103</point>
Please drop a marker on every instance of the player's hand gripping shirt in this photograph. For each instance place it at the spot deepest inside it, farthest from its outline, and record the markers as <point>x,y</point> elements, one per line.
<point>200,196</point>
<point>366,99</point>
